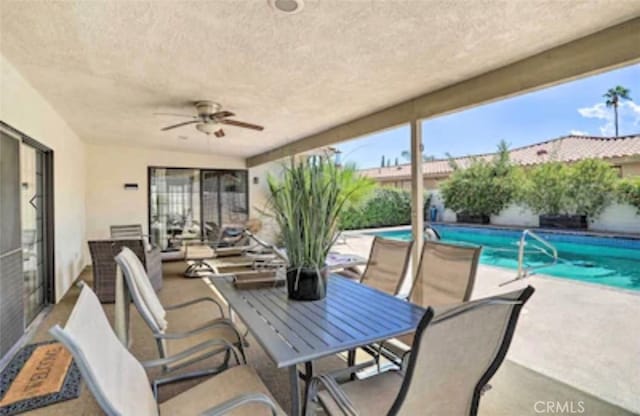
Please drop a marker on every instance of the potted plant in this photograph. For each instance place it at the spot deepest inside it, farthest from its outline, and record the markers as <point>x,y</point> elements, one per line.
<point>306,203</point>
<point>482,189</point>
<point>566,196</point>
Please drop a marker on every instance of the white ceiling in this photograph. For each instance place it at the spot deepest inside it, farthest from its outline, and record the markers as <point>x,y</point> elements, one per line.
<point>106,66</point>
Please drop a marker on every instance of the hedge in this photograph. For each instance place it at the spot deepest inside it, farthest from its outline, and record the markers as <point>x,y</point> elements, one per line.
<point>387,207</point>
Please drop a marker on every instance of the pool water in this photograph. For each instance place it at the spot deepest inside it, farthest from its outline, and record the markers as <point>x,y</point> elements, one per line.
<point>610,261</point>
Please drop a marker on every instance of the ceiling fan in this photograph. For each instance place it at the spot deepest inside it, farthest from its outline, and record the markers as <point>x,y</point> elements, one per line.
<point>210,118</point>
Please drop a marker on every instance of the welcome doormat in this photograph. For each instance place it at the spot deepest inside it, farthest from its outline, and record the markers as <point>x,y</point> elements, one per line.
<point>39,375</point>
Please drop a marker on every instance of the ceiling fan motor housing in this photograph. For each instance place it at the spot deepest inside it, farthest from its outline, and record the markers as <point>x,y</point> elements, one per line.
<point>206,108</point>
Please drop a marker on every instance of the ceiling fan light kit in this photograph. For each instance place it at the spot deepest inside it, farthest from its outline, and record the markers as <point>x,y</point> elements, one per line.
<point>207,128</point>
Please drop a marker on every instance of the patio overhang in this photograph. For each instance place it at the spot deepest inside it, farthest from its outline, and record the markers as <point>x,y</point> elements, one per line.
<point>607,49</point>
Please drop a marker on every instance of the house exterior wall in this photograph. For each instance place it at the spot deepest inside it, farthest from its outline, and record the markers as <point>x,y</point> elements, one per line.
<point>631,169</point>
<point>24,109</point>
<point>110,167</point>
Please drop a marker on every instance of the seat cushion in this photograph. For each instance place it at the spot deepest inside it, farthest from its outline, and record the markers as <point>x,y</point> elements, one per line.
<point>218,389</point>
<point>370,396</point>
<point>175,346</point>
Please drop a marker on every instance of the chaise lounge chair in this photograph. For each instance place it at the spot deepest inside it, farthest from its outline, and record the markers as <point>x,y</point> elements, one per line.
<point>455,353</point>
<point>204,329</point>
<point>120,385</point>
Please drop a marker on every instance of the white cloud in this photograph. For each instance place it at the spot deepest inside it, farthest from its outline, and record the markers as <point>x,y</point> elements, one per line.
<point>578,133</point>
<point>628,113</point>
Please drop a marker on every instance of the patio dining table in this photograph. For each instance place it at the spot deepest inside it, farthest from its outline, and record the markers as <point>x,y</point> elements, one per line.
<point>297,332</point>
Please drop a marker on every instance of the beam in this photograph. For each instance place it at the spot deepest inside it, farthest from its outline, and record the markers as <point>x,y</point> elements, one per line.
<point>610,48</point>
<point>417,196</point>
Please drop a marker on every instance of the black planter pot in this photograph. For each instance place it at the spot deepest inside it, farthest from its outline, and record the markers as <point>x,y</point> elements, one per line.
<point>473,219</point>
<point>306,284</point>
<point>572,222</point>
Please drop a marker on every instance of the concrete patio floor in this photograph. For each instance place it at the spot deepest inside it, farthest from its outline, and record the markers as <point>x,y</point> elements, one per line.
<point>582,335</point>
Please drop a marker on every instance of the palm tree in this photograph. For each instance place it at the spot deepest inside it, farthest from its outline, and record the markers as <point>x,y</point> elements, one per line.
<point>613,96</point>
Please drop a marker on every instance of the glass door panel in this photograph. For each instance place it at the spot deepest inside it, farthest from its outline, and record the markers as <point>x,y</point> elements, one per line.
<point>211,205</point>
<point>233,196</point>
<point>174,206</point>
<point>188,204</point>
<point>32,210</point>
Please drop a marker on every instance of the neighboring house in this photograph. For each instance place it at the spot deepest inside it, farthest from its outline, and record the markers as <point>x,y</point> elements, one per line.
<point>623,153</point>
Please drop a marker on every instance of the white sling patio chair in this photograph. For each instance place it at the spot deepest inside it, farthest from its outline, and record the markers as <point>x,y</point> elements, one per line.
<point>456,352</point>
<point>120,385</point>
<point>205,328</point>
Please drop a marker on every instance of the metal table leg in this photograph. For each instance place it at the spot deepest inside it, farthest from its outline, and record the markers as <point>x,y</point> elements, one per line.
<point>295,390</point>
<point>308,375</point>
<point>351,361</point>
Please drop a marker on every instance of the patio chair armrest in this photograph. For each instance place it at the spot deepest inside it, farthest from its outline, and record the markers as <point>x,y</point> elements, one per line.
<point>203,328</point>
<point>335,392</point>
<point>196,301</point>
<point>244,399</point>
<point>190,351</point>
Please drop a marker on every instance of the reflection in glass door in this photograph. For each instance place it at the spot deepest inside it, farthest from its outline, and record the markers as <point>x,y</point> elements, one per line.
<point>192,204</point>
<point>32,170</point>
<point>224,200</point>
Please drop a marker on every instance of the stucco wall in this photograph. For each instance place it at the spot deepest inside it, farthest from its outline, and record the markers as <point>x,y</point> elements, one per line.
<point>516,215</point>
<point>23,108</point>
<point>631,169</point>
<point>617,218</point>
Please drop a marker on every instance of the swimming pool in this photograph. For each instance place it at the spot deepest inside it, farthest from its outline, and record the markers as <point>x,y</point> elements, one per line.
<point>610,261</point>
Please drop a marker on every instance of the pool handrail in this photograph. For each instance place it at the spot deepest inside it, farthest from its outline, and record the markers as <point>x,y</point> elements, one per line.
<point>525,271</point>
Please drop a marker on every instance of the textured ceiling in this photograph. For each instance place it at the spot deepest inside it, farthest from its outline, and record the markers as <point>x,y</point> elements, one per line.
<point>106,66</point>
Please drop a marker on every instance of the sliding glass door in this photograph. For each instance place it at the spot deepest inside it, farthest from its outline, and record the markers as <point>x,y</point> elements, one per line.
<point>26,233</point>
<point>194,204</point>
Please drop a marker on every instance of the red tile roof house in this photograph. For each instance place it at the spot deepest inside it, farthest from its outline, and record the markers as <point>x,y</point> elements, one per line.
<point>622,152</point>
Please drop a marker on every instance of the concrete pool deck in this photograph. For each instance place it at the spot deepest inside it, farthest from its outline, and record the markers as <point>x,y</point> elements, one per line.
<point>584,335</point>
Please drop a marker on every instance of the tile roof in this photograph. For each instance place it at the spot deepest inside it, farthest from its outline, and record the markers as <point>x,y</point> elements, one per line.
<point>563,149</point>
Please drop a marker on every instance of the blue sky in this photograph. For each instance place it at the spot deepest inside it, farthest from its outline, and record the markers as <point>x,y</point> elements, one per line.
<point>575,107</point>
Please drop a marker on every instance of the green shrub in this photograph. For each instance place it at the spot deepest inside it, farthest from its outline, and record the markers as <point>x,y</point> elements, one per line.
<point>483,188</point>
<point>545,190</point>
<point>628,191</point>
<point>584,188</point>
<point>386,207</point>
<point>592,185</point>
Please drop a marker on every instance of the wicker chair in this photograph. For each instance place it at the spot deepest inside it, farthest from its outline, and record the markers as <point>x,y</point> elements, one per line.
<point>103,253</point>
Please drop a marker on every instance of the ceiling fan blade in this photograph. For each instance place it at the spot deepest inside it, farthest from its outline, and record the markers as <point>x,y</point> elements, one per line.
<point>174,114</point>
<point>221,114</point>
<point>219,133</point>
<point>242,124</point>
<point>180,125</point>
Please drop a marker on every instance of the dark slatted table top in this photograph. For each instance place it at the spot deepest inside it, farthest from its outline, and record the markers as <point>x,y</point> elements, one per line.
<point>293,332</point>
